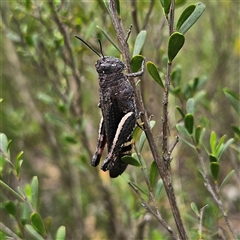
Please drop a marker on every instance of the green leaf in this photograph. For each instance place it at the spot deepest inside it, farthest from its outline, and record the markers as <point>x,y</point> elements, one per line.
<point>153,173</point>
<point>152,69</point>
<point>189,123</point>
<point>212,158</point>
<point>213,141</point>
<point>143,136</point>
<point>186,142</point>
<point>109,38</point>
<point>37,223</point>
<point>70,138</point>
<point>198,132</point>
<point>180,111</point>
<point>107,6</point>
<point>225,180</point>
<point>182,130</point>
<point>195,208</point>
<point>158,189</point>
<point>199,96</point>
<point>189,17</point>
<point>118,7</point>
<point>185,15</point>
<point>19,162</point>
<point>34,232</point>
<point>45,98</point>
<point>136,132</point>
<point>234,99</point>
<point>10,207</point>
<point>214,167</point>
<point>136,63</point>
<point>236,129</point>
<point>3,144</point>
<point>131,160</point>
<point>224,147</point>
<point>140,40</point>
<point>175,43</point>
<point>61,233</point>
<point>136,186</point>
<point>190,106</point>
<point>166,5</point>
<point>220,145</point>
<point>34,191</point>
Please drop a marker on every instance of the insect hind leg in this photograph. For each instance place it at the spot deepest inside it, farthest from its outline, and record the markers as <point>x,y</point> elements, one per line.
<point>113,161</point>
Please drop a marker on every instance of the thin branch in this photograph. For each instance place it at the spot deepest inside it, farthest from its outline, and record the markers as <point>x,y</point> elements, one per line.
<point>213,193</point>
<point>145,22</point>
<point>134,16</point>
<point>9,231</point>
<point>157,216</point>
<point>200,220</point>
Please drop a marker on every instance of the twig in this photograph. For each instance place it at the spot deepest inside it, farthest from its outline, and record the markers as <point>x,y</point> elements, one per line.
<point>157,216</point>
<point>9,231</point>
<point>213,193</point>
<point>174,145</point>
<point>200,220</point>
<point>165,174</point>
<point>128,33</point>
<point>134,16</point>
<point>145,22</point>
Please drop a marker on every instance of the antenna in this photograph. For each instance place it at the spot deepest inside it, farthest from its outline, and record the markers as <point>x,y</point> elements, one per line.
<point>90,46</point>
<point>101,48</point>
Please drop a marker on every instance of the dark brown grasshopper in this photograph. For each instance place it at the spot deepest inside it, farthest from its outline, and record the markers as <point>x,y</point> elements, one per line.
<point>119,114</point>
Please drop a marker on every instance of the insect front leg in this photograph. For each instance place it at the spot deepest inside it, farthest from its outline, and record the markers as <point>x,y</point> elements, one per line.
<point>140,73</point>
<point>100,144</point>
<point>124,131</point>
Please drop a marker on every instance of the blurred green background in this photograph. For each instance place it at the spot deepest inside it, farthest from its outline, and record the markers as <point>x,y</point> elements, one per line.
<point>50,94</point>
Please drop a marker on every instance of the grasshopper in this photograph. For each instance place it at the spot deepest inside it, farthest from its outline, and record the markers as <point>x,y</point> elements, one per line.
<point>119,113</point>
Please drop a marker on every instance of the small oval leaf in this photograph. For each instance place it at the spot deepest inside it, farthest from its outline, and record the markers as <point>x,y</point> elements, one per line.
<point>214,167</point>
<point>136,62</point>
<point>234,99</point>
<point>185,24</point>
<point>212,158</point>
<point>190,106</point>
<point>213,141</point>
<point>109,38</point>
<point>229,175</point>
<point>159,187</point>
<point>61,233</point>
<point>185,15</point>
<point>198,132</point>
<point>10,207</point>
<point>131,160</point>
<point>37,224</point>
<point>189,123</point>
<point>195,208</point>
<point>152,69</point>
<point>153,173</point>
<point>166,7</point>
<point>140,40</point>
<point>3,144</point>
<point>180,111</point>
<point>34,232</point>
<point>175,43</point>
<point>34,191</point>
<point>182,130</point>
